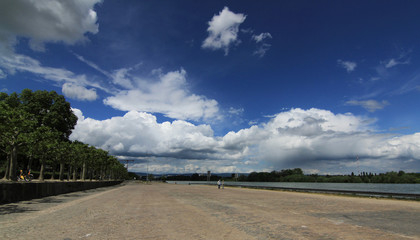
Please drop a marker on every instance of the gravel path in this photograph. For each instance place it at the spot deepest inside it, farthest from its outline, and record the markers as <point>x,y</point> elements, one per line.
<point>167,211</point>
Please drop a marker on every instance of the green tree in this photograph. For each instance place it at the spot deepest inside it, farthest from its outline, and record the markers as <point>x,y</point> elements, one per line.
<point>15,125</point>
<point>45,150</point>
<point>63,155</point>
<point>76,153</point>
<point>50,109</point>
<point>22,114</point>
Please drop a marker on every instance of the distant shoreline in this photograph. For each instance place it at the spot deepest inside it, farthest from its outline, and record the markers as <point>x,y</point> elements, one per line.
<point>361,193</point>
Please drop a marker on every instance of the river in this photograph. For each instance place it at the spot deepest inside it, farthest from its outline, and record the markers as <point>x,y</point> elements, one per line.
<point>363,187</point>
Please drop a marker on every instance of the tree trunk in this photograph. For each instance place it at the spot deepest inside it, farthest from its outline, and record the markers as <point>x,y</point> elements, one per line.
<point>61,175</point>
<point>84,171</point>
<point>13,164</point>
<point>103,173</point>
<point>69,170</point>
<point>53,172</point>
<point>28,167</point>
<point>41,172</point>
<point>6,173</point>
<point>74,174</point>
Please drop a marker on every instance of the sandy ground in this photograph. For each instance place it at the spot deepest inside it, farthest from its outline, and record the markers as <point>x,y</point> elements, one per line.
<point>167,211</point>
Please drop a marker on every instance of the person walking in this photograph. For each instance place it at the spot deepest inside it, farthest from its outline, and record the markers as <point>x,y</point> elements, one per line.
<point>218,184</point>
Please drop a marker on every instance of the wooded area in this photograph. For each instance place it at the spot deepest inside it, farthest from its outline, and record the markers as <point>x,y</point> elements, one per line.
<point>296,175</point>
<point>34,134</point>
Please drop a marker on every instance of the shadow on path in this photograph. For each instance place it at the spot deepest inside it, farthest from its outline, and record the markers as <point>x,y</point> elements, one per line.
<point>14,208</point>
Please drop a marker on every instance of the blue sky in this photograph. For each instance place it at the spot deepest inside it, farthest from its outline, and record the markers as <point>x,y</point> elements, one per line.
<point>227,86</point>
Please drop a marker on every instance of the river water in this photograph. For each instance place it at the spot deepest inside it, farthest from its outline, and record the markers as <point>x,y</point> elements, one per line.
<point>365,187</point>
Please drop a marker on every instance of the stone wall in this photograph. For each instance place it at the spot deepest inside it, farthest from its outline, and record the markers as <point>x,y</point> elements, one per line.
<point>20,191</point>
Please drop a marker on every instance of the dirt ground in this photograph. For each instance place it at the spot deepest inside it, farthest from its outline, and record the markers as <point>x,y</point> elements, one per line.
<point>168,211</point>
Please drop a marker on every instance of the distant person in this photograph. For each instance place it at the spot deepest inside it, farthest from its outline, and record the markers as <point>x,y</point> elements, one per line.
<point>223,184</point>
<point>218,184</point>
<point>21,177</point>
<point>29,176</point>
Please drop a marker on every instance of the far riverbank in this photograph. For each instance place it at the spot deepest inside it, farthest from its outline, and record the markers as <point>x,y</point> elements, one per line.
<point>368,188</point>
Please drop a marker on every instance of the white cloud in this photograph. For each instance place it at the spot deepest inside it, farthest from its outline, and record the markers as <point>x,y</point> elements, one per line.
<point>79,92</point>
<point>92,65</point>
<point>159,92</point>
<point>121,78</point>
<point>412,84</point>
<point>42,22</point>
<point>348,65</point>
<point>223,30</point>
<point>319,139</point>
<point>262,46</point>
<point>2,74</point>
<point>46,21</point>
<point>392,63</point>
<point>402,59</point>
<point>14,63</point>
<point>138,134</point>
<point>370,105</point>
<point>261,37</point>
<point>21,63</point>
<point>236,111</point>
<point>262,49</point>
<point>168,94</point>
<point>309,139</point>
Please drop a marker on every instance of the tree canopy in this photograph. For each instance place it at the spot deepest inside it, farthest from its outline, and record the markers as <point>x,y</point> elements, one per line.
<point>35,126</point>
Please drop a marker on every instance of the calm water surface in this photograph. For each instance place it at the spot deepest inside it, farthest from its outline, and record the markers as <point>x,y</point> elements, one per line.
<point>367,187</point>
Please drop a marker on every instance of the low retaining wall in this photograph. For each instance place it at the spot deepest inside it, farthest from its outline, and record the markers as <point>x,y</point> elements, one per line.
<point>20,191</point>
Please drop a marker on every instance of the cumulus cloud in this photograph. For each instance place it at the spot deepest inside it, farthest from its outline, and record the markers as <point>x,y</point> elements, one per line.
<point>79,92</point>
<point>46,21</point>
<point>223,30</point>
<point>370,105</point>
<point>348,65</point>
<point>309,139</point>
<point>158,92</point>
<point>138,134</point>
<point>168,95</point>
<point>319,139</point>
<point>165,93</point>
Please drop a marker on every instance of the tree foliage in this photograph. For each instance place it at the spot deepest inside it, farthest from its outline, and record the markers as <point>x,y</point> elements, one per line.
<point>36,127</point>
<point>297,175</point>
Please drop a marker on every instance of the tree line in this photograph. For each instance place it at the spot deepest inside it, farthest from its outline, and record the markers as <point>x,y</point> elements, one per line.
<point>297,175</point>
<point>192,177</point>
<point>34,133</point>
